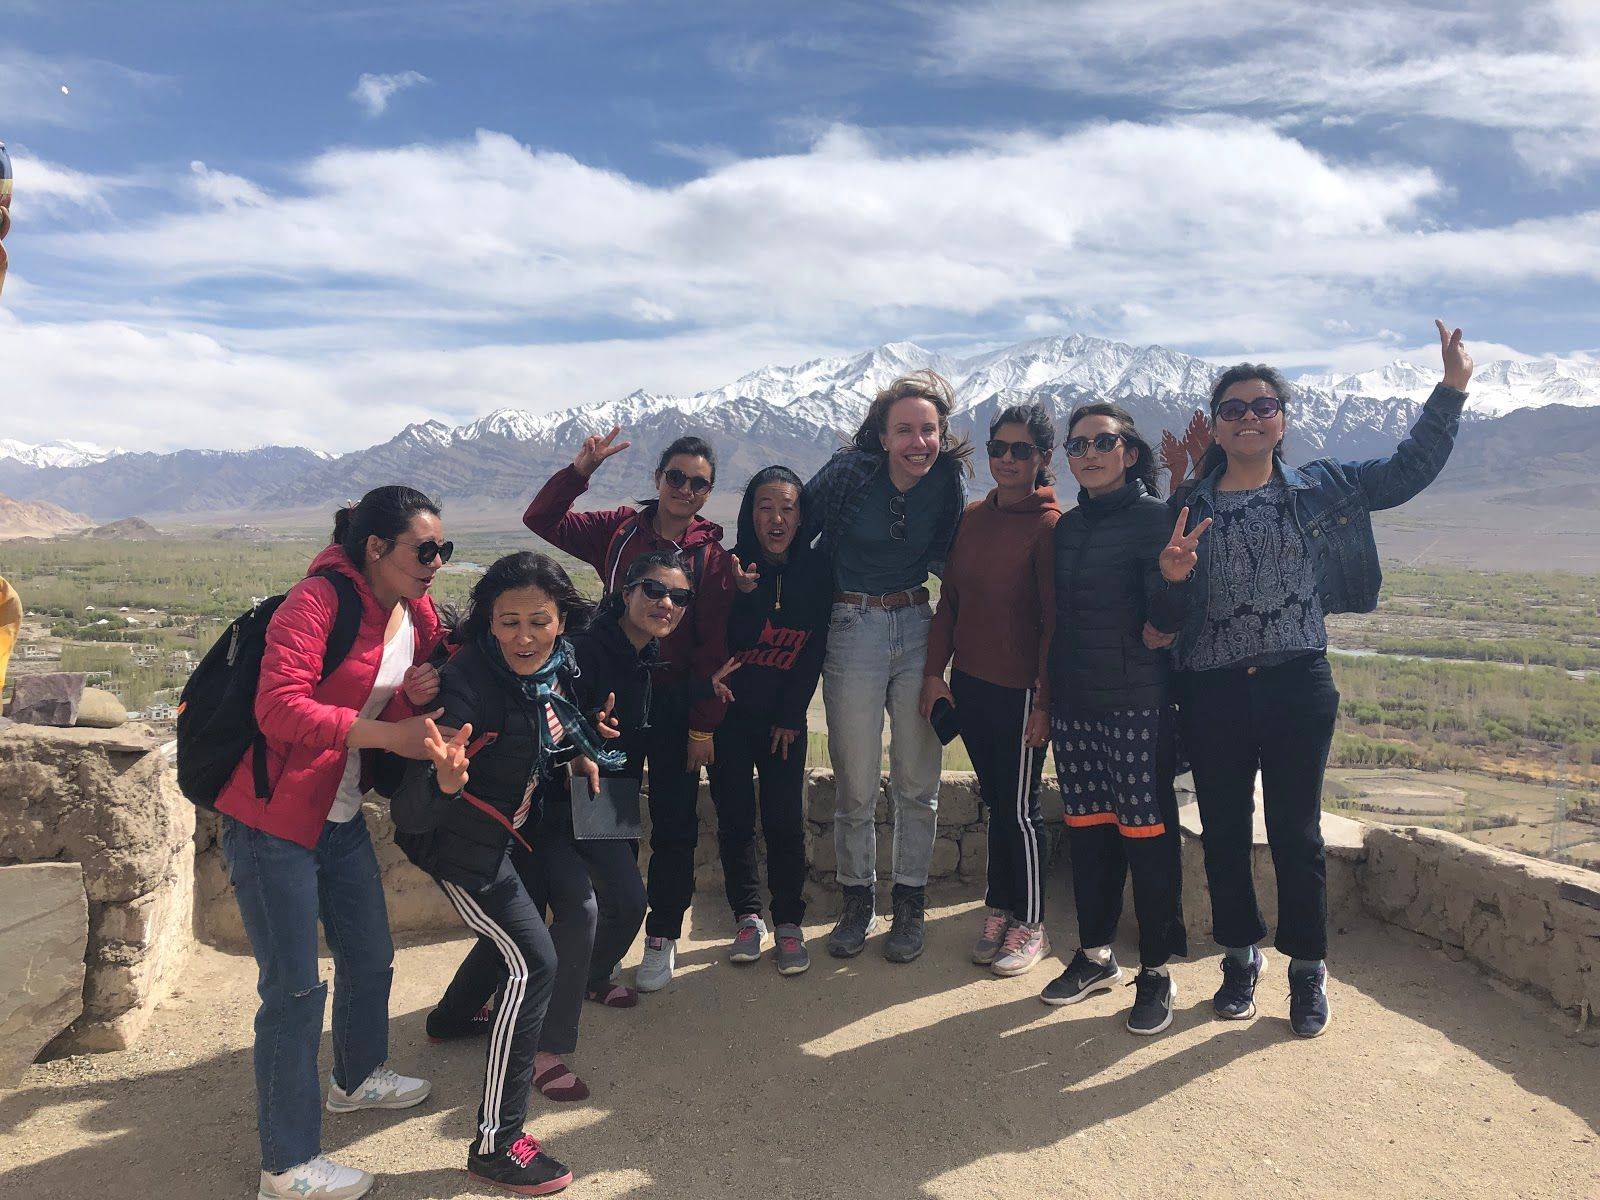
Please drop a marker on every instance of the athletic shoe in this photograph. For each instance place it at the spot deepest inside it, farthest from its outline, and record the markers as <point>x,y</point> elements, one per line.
<point>1153,997</point>
<point>987,948</point>
<point>522,1167</point>
<point>655,972</point>
<point>319,1179</point>
<point>747,942</point>
<point>441,1028</point>
<point>905,942</point>
<point>382,1089</point>
<point>1308,1001</point>
<point>792,957</point>
<point>1082,978</point>
<point>1236,998</point>
<point>1024,946</point>
<point>857,922</point>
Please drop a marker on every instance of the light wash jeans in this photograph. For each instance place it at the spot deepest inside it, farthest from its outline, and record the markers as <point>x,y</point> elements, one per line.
<point>874,665</point>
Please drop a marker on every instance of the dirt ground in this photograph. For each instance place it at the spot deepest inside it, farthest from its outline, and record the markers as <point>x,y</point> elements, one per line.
<point>865,1079</point>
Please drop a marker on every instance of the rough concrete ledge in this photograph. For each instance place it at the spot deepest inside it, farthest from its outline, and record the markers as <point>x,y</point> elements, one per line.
<point>1532,923</point>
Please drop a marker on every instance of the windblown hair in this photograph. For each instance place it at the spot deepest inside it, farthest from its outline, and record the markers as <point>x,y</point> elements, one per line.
<point>926,385</point>
<point>692,445</point>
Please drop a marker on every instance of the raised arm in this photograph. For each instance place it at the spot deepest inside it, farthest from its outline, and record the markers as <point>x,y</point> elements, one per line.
<point>584,535</point>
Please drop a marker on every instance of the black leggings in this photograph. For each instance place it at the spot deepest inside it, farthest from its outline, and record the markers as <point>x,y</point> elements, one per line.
<point>744,751</point>
<point>674,811</point>
<point>1278,720</point>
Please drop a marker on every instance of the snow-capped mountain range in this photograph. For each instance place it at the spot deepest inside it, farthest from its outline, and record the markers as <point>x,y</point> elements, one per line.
<point>792,414</point>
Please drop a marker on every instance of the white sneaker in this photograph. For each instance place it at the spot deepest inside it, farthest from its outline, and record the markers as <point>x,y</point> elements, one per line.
<point>319,1179</point>
<point>655,972</point>
<point>382,1089</point>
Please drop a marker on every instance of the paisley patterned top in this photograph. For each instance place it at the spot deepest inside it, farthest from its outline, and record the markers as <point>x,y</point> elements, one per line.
<point>1262,605</point>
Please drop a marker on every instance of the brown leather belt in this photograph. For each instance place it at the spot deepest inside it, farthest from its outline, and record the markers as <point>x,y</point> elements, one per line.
<point>890,600</point>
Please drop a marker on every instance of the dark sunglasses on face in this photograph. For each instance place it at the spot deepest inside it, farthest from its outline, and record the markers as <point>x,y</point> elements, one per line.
<point>654,589</point>
<point>1103,443</point>
<point>677,479</point>
<point>1264,407</point>
<point>1021,451</point>
<point>429,550</point>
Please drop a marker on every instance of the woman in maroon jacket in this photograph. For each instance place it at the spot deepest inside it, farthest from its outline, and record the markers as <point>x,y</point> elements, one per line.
<point>685,711</point>
<point>303,852</point>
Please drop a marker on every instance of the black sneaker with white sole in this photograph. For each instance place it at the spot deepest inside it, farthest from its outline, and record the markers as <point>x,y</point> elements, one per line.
<point>1082,979</point>
<point>1154,994</point>
<point>1308,1001</point>
<point>1236,998</point>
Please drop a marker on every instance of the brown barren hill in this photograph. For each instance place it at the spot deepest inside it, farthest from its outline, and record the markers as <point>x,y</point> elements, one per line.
<point>37,518</point>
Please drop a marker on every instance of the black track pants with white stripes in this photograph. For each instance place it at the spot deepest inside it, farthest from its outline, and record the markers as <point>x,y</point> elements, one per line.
<point>991,718</point>
<point>505,915</point>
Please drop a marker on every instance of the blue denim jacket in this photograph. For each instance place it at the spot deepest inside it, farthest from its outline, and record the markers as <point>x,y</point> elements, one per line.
<point>832,501</point>
<point>1332,503</point>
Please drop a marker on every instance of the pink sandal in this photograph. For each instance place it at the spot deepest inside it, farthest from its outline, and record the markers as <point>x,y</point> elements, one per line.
<point>551,1086</point>
<point>616,996</point>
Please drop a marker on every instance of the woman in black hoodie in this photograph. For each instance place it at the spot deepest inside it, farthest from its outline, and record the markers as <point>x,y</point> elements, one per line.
<point>777,633</point>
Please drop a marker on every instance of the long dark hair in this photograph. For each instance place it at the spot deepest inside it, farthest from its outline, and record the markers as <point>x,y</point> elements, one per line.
<point>1144,469</point>
<point>1041,430</point>
<point>746,544</point>
<point>926,385</point>
<point>384,512</point>
<point>523,569</point>
<point>613,604</point>
<point>1215,456</point>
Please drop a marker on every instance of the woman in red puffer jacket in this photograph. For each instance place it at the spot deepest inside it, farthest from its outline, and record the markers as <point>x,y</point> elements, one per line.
<point>303,852</point>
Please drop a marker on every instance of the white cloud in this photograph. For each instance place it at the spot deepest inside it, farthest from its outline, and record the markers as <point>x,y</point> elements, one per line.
<point>98,92</point>
<point>373,92</point>
<point>222,189</point>
<point>50,188</point>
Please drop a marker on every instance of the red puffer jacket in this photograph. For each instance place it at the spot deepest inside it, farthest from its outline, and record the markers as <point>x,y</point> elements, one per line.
<point>306,719</point>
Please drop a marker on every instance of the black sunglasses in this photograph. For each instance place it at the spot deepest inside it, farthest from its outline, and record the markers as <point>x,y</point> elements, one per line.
<point>1021,451</point>
<point>1263,407</point>
<point>429,550</point>
<point>1103,443</point>
<point>677,479</point>
<point>897,510</point>
<point>654,589</point>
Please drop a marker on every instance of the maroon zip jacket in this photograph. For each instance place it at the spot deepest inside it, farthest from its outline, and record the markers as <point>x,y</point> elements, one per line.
<point>699,646</point>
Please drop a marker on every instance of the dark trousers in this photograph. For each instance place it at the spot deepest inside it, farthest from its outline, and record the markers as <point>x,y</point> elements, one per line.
<point>1103,856</point>
<point>744,752</point>
<point>595,900</point>
<point>991,719</point>
<point>1278,720</point>
<point>674,815</point>
<point>504,915</point>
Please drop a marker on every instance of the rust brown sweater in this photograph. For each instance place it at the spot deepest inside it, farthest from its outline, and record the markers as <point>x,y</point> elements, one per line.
<point>997,596</point>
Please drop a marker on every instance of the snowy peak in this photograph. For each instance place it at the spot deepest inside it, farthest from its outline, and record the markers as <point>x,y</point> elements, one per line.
<point>1497,387</point>
<point>60,453</point>
<point>1113,370</point>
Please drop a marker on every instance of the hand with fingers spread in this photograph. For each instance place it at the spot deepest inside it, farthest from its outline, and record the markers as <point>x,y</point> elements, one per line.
<point>1154,639</point>
<point>722,690</point>
<point>420,684</point>
<point>745,578</point>
<point>1457,361</point>
<point>783,738</point>
<point>605,722</point>
<point>448,755</point>
<point>1178,558</point>
<point>596,450</point>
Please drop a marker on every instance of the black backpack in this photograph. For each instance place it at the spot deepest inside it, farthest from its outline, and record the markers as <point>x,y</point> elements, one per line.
<point>217,711</point>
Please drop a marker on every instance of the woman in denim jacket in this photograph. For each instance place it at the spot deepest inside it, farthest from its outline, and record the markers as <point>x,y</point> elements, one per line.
<point>1286,547</point>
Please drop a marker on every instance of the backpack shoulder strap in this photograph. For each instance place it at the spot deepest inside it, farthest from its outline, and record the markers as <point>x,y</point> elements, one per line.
<point>346,621</point>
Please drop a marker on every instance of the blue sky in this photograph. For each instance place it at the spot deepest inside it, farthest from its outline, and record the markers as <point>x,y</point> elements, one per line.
<point>294,222</point>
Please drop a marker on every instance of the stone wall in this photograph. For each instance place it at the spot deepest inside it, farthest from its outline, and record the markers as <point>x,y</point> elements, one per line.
<point>1533,923</point>
<point>44,932</point>
<point>107,800</point>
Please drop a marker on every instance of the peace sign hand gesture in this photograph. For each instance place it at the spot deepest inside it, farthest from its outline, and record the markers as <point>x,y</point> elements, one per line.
<point>1178,559</point>
<point>596,450</point>
<point>449,758</point>
<point>745,578</point>
<point>1457,362</point>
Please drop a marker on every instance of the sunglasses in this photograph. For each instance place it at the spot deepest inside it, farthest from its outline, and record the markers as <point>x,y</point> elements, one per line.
<point>654,589</point>
<point>1103,443</point>
<point>677,479</point>
<point>1021,451</point>
<point>1263,407</point>
<point>897,510</point>
<point>429,550</point>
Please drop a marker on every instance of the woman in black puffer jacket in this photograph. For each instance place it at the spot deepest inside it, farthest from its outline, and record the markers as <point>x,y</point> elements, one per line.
<point>521,707</point>
<point>1111,711</point>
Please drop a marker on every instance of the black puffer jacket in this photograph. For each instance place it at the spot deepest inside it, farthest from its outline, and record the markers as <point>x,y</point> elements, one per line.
<point>1108,585</point>
<point>608,664</point>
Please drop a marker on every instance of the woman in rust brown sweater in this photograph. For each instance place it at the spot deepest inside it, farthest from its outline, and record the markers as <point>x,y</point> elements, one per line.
<point>995,608</point>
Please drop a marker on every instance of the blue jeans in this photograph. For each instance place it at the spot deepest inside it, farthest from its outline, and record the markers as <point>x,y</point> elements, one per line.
<point>283,889</point>
<point>874,665</point>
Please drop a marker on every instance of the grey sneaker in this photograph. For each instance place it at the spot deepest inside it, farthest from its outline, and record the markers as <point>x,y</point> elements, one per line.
<point>655,972</point>
<point>319,1179</point>
<point>1024,946</point>
<point>856,923</point>
<point>904,942</point>
<point>382,1089</point>
<point>993,934</point>
<point>791,956</point>
<point>746,946</point>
